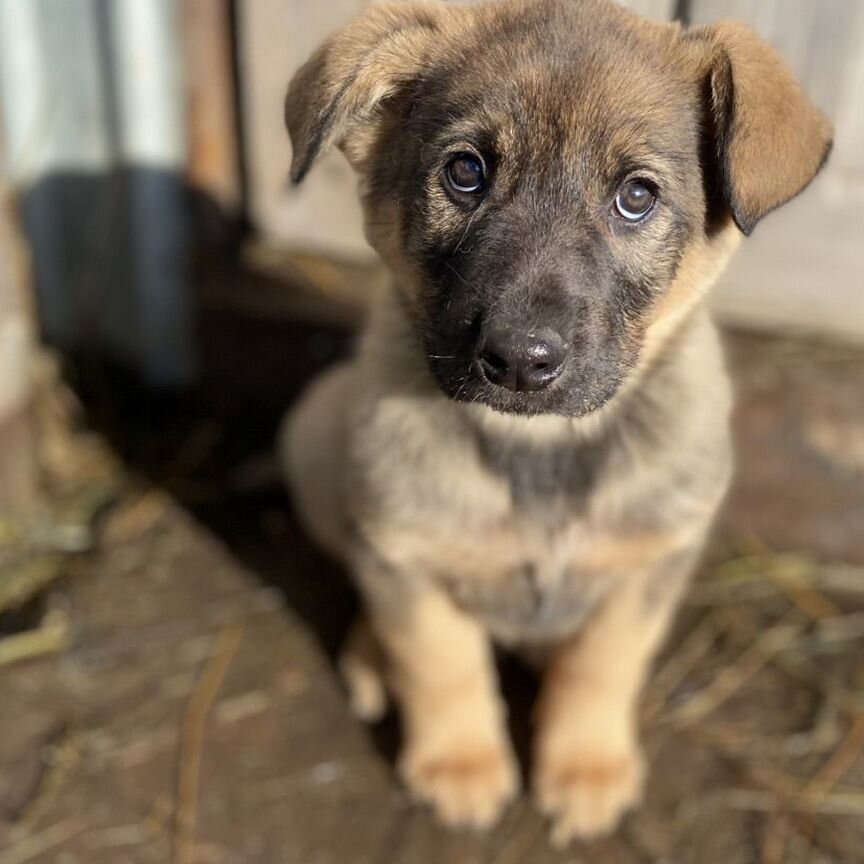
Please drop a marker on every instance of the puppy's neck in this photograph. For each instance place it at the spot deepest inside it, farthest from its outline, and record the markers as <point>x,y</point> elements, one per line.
<point>394,356</point>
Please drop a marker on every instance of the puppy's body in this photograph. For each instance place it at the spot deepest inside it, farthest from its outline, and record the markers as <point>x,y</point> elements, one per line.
<point>525,523</point>
<point>556,498</point>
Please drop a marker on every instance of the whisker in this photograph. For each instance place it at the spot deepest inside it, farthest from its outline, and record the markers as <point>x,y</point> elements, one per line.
<point>465,232</point>
<point>458,275</point>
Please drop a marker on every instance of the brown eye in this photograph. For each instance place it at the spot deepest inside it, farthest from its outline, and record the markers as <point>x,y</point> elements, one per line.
<point>465,174</point>
<point>634,201</point>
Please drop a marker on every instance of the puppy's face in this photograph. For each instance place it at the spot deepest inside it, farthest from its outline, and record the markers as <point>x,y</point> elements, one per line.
<point>535,178</point>
<point>541,184</point>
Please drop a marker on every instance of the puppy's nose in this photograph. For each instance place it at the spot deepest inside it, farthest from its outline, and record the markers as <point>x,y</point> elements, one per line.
<point>518,360</point>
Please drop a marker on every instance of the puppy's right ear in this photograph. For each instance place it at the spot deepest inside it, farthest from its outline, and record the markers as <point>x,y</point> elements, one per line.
<point>344,83</point>
<point>769,139</point>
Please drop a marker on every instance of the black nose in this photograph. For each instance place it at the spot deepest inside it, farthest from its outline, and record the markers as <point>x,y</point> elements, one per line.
<point>518,360</point>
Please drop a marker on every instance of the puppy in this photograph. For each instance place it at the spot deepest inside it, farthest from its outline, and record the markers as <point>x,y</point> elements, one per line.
<point>532,441</point>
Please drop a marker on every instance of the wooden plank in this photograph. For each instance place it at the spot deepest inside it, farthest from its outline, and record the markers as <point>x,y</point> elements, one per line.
<point>799,273</point>
<point>211,125</point>
<point>846,168</point>
<point>275,38</point>
<point>17,444</point>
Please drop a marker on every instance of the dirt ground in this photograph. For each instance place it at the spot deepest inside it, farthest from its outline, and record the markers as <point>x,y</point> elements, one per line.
<point>169,694</point>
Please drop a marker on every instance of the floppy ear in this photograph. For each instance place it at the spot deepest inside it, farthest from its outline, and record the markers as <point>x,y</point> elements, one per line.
<point>770,141</point>
<point>344,83</point>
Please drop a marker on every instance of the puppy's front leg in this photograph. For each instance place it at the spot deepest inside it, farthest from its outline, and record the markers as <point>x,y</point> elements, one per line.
<point>588,764</point>
<point>455,754</point>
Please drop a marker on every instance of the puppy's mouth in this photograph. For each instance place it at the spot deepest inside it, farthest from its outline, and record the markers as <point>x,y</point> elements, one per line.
<point>566,390</point>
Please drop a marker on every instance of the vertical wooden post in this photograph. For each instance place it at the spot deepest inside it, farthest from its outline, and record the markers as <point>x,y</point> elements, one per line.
<point>17,440</point>
<point>211,124</point>
<point>213,165</point>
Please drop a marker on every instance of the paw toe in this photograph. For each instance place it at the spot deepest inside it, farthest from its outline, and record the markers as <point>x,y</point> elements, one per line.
<point>465,791</point>
<point>587,798</point>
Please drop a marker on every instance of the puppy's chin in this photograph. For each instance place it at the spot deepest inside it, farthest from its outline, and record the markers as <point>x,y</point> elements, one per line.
<point>567,397</point>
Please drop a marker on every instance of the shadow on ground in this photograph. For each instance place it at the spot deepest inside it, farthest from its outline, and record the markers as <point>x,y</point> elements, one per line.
<point>212,450</point>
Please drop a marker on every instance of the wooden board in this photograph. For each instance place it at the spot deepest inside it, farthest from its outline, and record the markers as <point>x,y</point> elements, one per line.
<point>17,359</point>
<point>276,37</point>
<point>212,164</point>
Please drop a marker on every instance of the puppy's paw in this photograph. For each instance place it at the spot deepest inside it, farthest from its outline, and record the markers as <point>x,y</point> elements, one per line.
<point>468,787</point>
<point>585,792</point>
<point>366,691</point>
<point>361,664</point>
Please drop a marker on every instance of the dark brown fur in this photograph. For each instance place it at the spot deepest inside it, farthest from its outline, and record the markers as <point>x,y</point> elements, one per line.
<point>565,519</point>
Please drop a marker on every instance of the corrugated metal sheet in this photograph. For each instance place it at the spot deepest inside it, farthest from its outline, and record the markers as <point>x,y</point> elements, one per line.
<point>93,108</point>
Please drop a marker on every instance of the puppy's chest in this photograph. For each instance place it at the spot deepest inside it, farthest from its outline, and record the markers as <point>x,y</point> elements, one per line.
<point>545,590</point>
<point>504,527</point>
<point>536,590</point>
<point>548,482</point>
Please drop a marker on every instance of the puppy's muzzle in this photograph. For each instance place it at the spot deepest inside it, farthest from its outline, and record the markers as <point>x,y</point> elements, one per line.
<point>519,360</point>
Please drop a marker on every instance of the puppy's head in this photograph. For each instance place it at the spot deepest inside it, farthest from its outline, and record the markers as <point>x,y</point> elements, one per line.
<point>552,181</point>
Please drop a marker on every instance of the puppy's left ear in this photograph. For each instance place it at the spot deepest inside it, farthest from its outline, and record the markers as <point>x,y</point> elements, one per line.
<point>343,85</point>
<point>770,140</point>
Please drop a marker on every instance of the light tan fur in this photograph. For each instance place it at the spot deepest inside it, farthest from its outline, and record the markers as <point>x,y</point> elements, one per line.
<point>588,766</point>
<point>778,139</point>
<point>455,753</point>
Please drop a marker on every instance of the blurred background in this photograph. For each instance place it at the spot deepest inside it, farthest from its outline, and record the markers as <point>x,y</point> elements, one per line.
<point>167,633</point>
